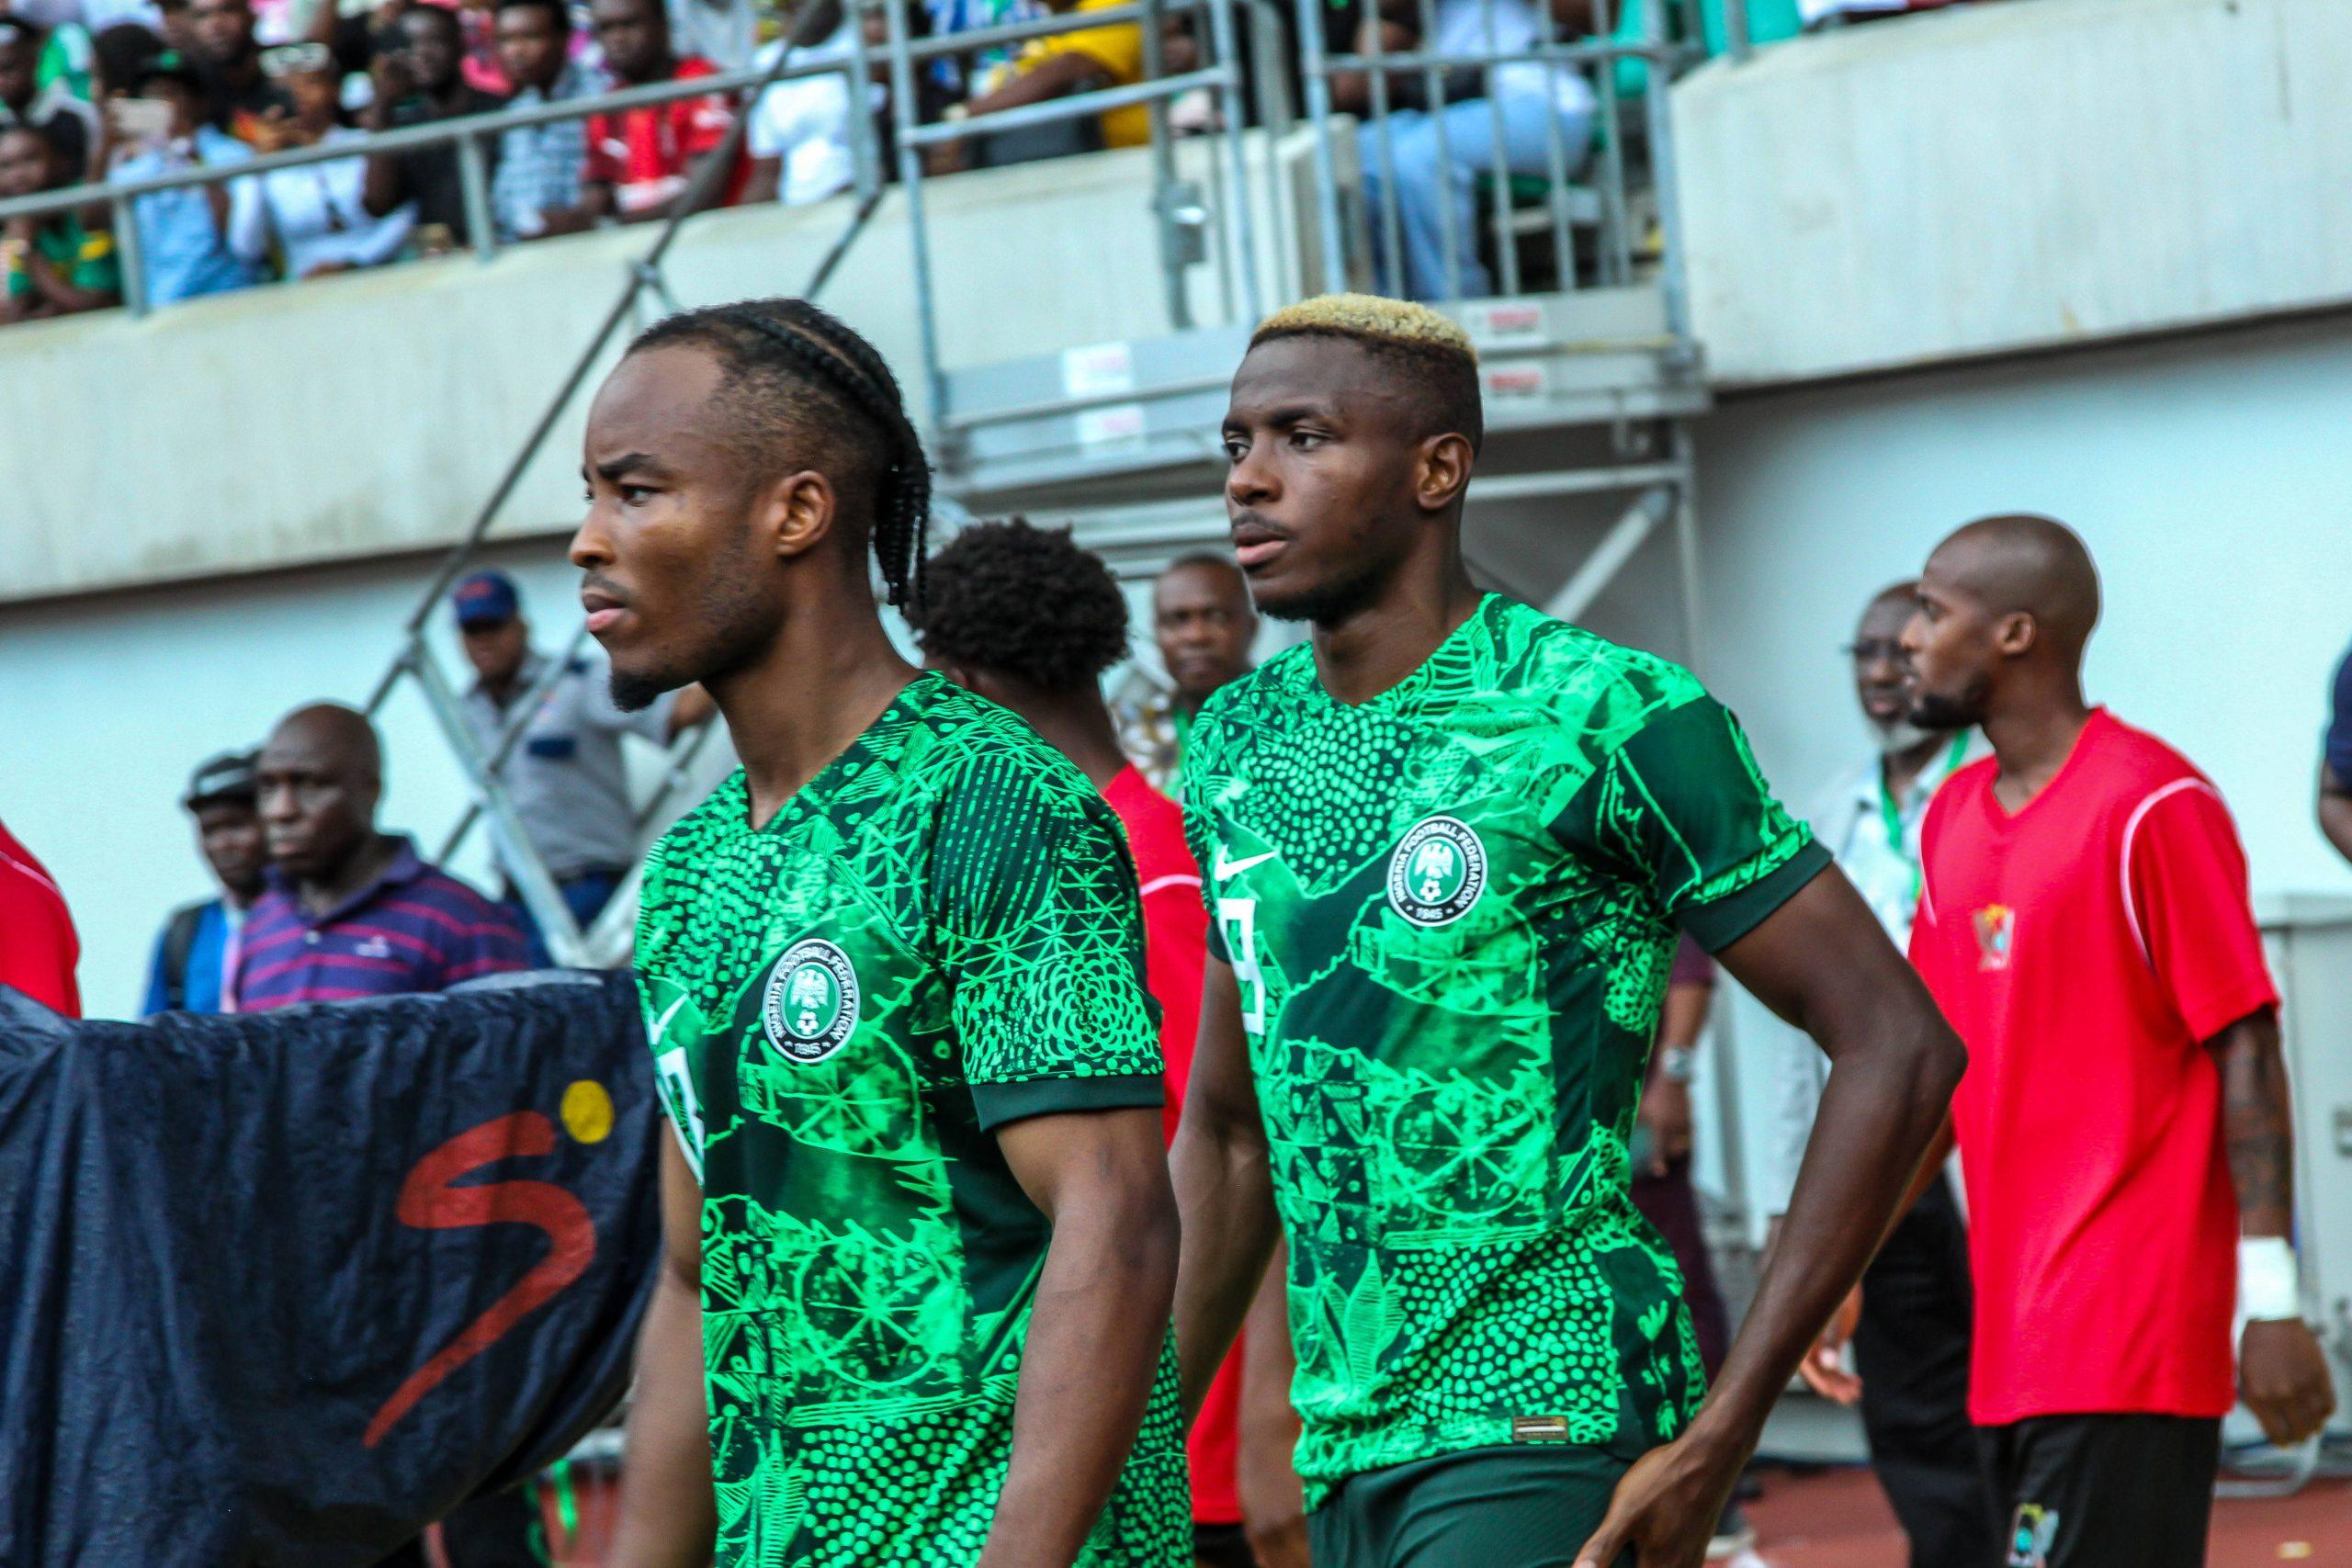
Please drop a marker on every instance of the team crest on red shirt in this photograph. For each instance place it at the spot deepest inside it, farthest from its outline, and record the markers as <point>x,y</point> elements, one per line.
<point>1995,932</point>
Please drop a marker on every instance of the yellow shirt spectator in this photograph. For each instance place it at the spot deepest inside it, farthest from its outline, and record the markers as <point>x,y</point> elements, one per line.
<point>1118,50</point>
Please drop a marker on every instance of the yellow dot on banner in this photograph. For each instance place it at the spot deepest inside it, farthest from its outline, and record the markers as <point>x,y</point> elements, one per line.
<point>2294,1551</point>
<point>587,1110</point>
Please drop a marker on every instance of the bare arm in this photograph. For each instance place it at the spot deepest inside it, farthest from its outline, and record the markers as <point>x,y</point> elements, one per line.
<point>1822,961</point>
<point>1665,1102</point>
<point>2282,1372</point>
<point>667,1516</point>
<point>1224,1188</point>
<point>1097,1327</point>
<point>2336,810</point>
<point>1274,1504</point>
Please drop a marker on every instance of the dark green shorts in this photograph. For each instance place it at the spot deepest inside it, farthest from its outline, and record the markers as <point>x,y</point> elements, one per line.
<point>1521,1506</point>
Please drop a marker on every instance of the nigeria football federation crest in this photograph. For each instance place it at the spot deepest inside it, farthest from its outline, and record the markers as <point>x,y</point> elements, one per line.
<point>811,1002</point>
<point>1438,872</point>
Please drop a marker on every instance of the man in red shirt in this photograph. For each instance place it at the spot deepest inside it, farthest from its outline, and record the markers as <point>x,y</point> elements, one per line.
<point>1028,619</point>
<point>37,947</point>
<point>641,161</point>
<point>2123,1121</point>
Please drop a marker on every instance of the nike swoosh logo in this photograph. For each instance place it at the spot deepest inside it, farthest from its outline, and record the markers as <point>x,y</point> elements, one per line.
<point>1226,870</point>
<point>662,1024</point>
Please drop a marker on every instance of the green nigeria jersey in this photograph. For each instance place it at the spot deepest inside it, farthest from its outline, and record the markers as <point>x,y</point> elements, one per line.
<point>938,935</point>
<point>1450,912</point>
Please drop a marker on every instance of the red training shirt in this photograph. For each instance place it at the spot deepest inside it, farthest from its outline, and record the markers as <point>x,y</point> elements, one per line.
<point>1175,924</point>
<point>37,947</point>
<point>647,154</point>
<point>2085,948</point>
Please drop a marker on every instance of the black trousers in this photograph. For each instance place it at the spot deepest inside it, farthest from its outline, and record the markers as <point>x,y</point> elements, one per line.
<point>2104,1491</point>
<point>1911,1349</point>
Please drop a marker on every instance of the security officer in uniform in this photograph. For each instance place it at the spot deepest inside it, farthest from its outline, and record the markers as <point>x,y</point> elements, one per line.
<point>565,774</point>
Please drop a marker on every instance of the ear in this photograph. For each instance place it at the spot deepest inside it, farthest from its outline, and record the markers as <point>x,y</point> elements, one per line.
<point>795,513</point>
<point>2015,634</point>
<point>1445,472</point>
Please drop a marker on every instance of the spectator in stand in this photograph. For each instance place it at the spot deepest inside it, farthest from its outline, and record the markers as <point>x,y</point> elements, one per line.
<point>538,188</point>
<point>1431,191</point>
<point>350,911</point>
<point>317,214</point>
<point>565,775</point>
<point>184,249</point>
<point>197,953</point>
<point>799,136</point>
<point>176,23</point>
<point>641,160</point>
<point>418,81</point>
<point>38,948</point>
<point>53,110</point>
<point>116,55</point>
<point>53,266</point>
<point>2335,765</point>
<point>1204,623</point>
<point>239,98</point>
<point>1057,67</point>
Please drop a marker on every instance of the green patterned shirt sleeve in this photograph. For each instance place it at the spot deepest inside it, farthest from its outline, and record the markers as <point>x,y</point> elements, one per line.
<point>1681,804</point>
<point>1038,925</point>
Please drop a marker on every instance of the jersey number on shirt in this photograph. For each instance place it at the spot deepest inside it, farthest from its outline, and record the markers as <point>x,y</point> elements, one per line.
<point>1238,919</point>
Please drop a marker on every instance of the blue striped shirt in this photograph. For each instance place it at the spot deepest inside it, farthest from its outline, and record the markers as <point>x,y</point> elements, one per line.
<point>412,928</point>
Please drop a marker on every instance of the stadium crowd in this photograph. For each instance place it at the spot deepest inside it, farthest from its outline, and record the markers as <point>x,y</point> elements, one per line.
<point>96,91</point>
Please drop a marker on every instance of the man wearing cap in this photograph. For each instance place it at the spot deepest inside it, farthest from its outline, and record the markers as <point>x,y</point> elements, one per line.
<point>565,773</point>
<point>198,945</point>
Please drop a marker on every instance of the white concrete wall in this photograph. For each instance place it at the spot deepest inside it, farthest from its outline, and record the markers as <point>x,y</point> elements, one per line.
<point>2209,474</point>
<point>336,420</point>
<point>1993,177</point>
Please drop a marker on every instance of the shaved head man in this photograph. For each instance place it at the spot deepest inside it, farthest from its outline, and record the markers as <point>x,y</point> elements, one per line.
<point>351,912</point>
<point>2124,1121</point>
<point>1203,623</point>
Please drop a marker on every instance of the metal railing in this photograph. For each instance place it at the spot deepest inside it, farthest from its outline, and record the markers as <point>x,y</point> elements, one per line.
<point>1599,205</point>
<point>467,134</point>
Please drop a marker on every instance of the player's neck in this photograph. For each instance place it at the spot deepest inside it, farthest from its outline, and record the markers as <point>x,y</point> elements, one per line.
<point>2032,733</point>
<point>1364,652</point>
<point>1080,727</point>
<point>826,678</point>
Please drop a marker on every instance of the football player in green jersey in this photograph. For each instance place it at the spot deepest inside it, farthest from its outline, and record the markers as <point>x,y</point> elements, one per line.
<point>920,1240</point>
<point>1448,845</point>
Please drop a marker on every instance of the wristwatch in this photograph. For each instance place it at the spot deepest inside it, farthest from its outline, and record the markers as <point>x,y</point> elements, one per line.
<point>1676,1064</point>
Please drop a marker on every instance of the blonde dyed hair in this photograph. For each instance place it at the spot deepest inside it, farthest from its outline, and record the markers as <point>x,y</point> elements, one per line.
<point>1370,316</point>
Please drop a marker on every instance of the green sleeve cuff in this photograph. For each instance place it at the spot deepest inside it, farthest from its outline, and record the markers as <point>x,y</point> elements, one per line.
<point>999,1103</point>
<point>1718,924</point>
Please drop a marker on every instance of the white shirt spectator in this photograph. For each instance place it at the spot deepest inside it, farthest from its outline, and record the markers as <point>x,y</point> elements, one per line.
<point>1876,843</point>
<point>315,214</point>
<point>805,124</point>
<point>1463,29</point>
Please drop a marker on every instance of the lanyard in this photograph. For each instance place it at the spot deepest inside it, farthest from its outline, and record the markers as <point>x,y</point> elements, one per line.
<point>1892,815</point>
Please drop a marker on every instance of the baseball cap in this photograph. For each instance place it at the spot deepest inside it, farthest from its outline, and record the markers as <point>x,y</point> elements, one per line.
<point>229,776</point>
<point>168,63</point>
<point>486,599</point>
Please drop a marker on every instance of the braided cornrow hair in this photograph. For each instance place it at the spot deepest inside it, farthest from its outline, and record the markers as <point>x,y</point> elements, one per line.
<point>815,347</point>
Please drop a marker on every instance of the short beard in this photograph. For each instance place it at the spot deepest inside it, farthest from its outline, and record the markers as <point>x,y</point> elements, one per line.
<point>1934,711</point>
<point>738,627</point>
<point>1324,604</point>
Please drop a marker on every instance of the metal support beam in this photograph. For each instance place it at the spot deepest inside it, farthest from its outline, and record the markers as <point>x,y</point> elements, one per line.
<point>1608,558</point>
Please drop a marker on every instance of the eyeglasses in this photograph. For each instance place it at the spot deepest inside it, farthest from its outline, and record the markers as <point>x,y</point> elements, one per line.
<point>1873,650</point>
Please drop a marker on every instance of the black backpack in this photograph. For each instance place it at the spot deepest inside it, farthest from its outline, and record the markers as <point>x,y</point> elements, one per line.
<point>180,941</point>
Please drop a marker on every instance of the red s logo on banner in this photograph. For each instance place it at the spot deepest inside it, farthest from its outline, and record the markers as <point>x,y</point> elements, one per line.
<point>429,1200</point>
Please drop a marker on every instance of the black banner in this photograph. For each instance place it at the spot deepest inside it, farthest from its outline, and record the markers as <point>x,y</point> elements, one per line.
<point>284,1288</point>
